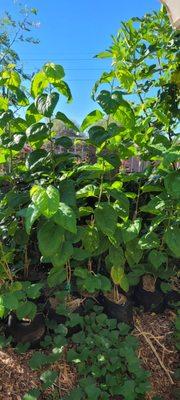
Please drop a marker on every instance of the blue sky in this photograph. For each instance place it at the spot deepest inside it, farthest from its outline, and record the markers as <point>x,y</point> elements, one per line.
<point>71,32</point>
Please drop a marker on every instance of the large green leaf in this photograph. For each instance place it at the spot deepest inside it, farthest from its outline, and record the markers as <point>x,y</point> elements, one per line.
<point>133,252</point>
<point>64,89</point>
<point>62,117</point>
<point>45,200</point>
<point>116,256</point>
<point>172,239</point>
<point>46,103</point>
<point>4,103</point>
<point>107,102</point>
<point>32,114</point>
<point>157,258</point>
<point>149,241</point>
<point>125,115</point>
<point>54,72</point>
<point>48,377</point>
<point>50,237</point>
<point>35,159</point>
<point>26,310</point>
<point>97,135</point>
<point>66,218</point>
<point>39,83</point>
<point>126,78</point>
<point>131,230</point>
<point>172,184</point>
<point>36,132</point>
<point>60,258</point>
<point>11,78</point>
<point>32,213</point>
<point>106,218</point>
<point>117,274</point>
<point>91,118</point>
<point>90,239</point>
<point>155,206</point>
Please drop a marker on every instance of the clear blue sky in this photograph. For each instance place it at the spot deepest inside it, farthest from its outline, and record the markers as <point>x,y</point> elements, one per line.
<point>71,32</point>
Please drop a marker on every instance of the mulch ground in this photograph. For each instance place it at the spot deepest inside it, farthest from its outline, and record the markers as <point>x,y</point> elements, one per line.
<point>156,351</point>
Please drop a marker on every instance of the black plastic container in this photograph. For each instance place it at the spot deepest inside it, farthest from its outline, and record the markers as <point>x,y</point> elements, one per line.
<point>120,312</point>
<point>172,299</point>
<point>150,301</point>
<point>26,331</point>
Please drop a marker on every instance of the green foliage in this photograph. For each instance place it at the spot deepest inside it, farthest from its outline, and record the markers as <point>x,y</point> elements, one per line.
<point>103,361</point>
<point>92,224</point>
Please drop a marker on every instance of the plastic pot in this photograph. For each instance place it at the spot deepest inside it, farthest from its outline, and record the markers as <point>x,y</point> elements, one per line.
<point>26,331</point>
<point>171,299</point>
<point>120,312</point>
<point>150,301</point>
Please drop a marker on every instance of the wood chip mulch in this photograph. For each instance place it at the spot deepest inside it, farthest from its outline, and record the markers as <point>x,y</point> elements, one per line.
<point>156,351</point>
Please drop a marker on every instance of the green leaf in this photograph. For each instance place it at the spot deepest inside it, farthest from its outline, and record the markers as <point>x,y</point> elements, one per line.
<point>149,241</point>
<point>45,200</point>
<point>155,206</point>
<point>76,394</point>
<point>64,141</point>
<point>37,131</point>
<point>48,377</point>
<point>124,283</point>
<point>106,218</point>
<point>92,391</point>
<point>39,83</point>
<point>91,119</point>
<point>37,360</point>
<point>125,115</point>
<point>11,78</point>
<point>10,301</point>
<point>46,103</point>
<point>107,102</point>
<point>157,258</point>
<point>32,115</point>
<point>32,214</point>
<point>64,89</point>
<point>62,255</point>
<point>172,184</point>
<point>56,277</point>
<point>162,117</point>
<point>26,310</point>
<point>117,274</point>
<point>50,237</point>
<point>33,394</point>
<point>67,190</point>
<point>98,135</point>
<point>22,99</point>
<point>172,239</point>
<point>116,256</point>
<point>133,252</point>
<point>131,230</point>
<point>4,103</point>
<point>90,239</point>
<point>53,72</point>
<point>126,78</point>
<point>128,390</point>
<point>62,117</point>
<point>66,218</point>
<point>35,159</point>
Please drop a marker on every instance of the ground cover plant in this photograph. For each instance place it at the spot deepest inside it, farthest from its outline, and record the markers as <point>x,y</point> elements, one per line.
<point>71,229</point>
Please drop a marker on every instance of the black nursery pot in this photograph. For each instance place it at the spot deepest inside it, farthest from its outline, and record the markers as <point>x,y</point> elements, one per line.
<point>120,312</point>
<point>150,301</point>
<point>172,299</point>
<point>23,332</point>
<point>62,319</point>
